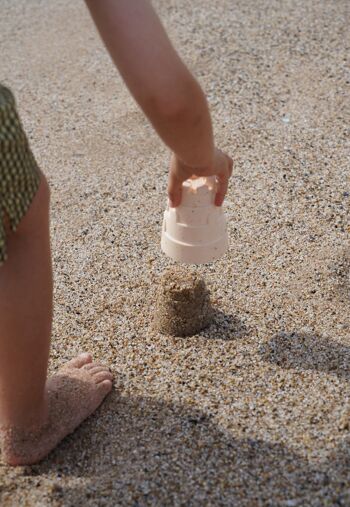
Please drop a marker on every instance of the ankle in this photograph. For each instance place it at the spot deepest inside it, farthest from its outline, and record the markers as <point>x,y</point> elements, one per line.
<point>26,419</point>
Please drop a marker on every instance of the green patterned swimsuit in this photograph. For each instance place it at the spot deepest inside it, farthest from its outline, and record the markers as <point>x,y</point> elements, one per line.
<point>19,173</point>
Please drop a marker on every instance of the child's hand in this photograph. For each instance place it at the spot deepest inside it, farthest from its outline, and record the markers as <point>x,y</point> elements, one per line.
<point>221,168</point>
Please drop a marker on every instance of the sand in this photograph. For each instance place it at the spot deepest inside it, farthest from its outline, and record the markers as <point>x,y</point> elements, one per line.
<point>183,305</point>
<point>254,411</point>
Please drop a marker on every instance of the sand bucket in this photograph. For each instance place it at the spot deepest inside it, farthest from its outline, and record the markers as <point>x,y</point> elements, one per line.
<point>195,232</point>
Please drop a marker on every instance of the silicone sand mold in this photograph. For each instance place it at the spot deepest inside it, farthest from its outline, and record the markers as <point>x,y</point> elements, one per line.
<point>183,305</point>
<point>195,232</point>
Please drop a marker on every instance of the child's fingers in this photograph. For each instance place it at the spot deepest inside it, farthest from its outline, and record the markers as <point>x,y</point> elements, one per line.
<point>223,181</point>
<point>230,165</point>
<point>222,189</point>
<point>174,190</point>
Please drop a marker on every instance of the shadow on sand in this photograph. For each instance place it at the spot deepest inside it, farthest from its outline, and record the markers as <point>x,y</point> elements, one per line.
<point>225,327</point>
<point>147,452</point>
<point>308,351</point>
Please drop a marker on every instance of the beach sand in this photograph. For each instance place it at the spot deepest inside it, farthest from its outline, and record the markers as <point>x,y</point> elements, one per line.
<point>253,411</point>
<point>183,305</point>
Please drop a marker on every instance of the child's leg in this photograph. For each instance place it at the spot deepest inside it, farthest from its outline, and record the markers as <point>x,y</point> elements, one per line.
<point>25,316</point>
<point>35,413</point>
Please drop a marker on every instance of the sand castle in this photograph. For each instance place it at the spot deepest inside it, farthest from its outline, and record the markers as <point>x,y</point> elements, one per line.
<point>183,305</point>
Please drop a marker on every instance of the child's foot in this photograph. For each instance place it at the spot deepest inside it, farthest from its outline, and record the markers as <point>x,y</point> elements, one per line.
<point>72,395</point>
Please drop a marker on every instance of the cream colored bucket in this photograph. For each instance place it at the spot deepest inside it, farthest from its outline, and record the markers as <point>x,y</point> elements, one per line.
<point>195,232</point>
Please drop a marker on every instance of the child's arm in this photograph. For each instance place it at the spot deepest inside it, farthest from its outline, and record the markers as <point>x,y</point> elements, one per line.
<point>160,83</point>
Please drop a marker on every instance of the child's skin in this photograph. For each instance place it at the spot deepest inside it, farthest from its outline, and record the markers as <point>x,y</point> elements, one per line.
<point>36,412</point>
